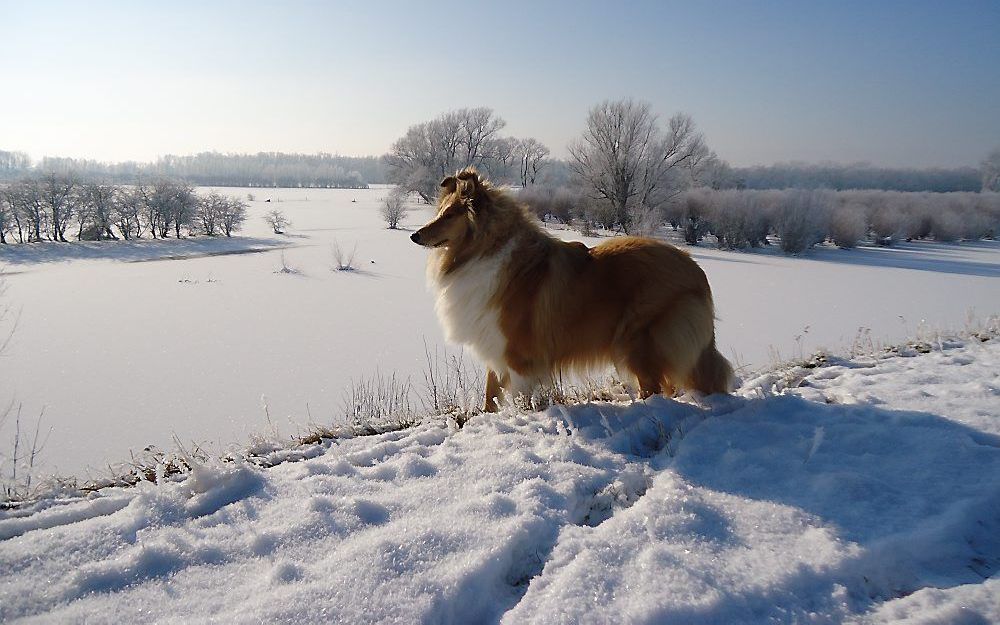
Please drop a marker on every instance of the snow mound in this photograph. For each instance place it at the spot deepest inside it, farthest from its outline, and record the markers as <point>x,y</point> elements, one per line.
<point>853,490</point>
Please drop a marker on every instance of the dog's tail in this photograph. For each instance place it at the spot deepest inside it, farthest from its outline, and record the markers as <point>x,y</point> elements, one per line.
<point>712,373</point>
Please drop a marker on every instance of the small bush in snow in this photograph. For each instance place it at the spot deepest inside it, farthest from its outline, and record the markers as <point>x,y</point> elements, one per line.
<point>277,220</point>
<point>451,383</point>
<point>376,400</point>
<point>285,268</point>
<point>394,208</point>
<point>342,261</point>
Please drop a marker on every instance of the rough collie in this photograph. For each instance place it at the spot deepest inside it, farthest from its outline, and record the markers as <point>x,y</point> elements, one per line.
<point>531,306</point>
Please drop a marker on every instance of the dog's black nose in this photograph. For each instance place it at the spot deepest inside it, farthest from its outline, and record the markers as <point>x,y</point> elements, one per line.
<point>415,237</point>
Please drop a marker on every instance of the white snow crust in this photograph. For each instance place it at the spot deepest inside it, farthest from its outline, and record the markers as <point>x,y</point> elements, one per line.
<point>863,490</point>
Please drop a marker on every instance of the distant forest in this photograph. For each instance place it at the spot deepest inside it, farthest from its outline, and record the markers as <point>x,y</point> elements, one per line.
<point>856,176</point>
<point>277,169</point>
<point>264,169</point>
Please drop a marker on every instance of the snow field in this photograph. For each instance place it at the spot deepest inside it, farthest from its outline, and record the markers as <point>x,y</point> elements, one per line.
<point>863,490</point>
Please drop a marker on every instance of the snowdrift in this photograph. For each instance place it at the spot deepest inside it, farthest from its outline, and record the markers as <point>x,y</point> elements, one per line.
<point>864,490</point>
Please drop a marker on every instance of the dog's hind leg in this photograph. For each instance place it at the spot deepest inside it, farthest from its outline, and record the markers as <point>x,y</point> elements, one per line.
<point>647,367</point>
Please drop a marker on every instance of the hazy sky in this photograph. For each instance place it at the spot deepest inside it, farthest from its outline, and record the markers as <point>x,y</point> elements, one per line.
<point>898,83</point>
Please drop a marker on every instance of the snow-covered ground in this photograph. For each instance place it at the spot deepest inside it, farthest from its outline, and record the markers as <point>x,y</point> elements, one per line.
<point>863,490</point>
<point>124,345</point>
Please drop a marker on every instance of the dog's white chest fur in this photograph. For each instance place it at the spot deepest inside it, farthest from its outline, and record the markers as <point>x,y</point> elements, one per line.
<point>465,308</point>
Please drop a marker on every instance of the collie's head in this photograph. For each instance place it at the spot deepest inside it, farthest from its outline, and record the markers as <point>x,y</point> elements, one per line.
<point>454,226</point>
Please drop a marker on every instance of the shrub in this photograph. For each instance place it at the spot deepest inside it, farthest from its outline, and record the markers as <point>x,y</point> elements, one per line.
<point>692,214</point>
<point>394,208</point>
<point>342,261</point>
<point>277,220</point>
<point>557,203</point>
<point>802,220</point>
<point>848,224</point>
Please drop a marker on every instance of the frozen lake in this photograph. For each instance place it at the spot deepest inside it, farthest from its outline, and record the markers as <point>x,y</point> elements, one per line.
<point>124,345</point>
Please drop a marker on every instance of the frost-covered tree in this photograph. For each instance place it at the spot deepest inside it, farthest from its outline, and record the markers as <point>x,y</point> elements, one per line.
<point>801,220</point>
<point>531,155</point>
<point>6,215</point>
<point>738,218</point>
<point>626,159</point>
<point>393,208</point>
<point>170,205</point>
<point>209,212</point>
<point>429,151</point>
<point>277,220</point>
<point>96,210</point>
<point>57,193</point>
<point>848,225</point>
<point>183,207</point>
<point>129,208</point>
<point>232,216</point>
<point>26,196</point>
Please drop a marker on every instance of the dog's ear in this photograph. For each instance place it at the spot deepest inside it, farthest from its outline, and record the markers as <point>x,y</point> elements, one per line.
<point>468,182</point>
<point>449,184</point>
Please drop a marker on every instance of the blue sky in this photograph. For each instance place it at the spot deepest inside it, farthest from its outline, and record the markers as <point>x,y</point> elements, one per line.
<point>895,83</point>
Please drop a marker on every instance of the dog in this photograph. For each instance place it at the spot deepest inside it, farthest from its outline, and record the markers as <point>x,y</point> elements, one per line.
<point>531,306</point>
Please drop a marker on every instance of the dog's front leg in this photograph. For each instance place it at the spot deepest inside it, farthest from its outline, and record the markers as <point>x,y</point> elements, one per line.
<point>496,386</point>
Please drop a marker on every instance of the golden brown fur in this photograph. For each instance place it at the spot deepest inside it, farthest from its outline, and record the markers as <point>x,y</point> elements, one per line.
<point>531,305</point>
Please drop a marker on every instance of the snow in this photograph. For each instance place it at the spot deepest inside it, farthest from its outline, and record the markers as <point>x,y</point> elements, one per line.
<point>205,342</point>
<point>851,490</point>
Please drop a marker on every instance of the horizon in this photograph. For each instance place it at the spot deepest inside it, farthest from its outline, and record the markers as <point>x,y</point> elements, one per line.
<point>895,85</point>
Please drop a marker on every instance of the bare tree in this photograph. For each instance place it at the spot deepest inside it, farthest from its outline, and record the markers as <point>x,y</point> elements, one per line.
<point>97,209</point>
<point>26,196</point>
<point>209,212</point>
<point>277,220</point>
<point>625,159</point>
<point>233,215</point>
<point>531,154</point>
<point>429,151</point>
<point>12,214</point>
<point>394,208</point>
<point>156,204</point>
<point>498,158</point>
<point>56,193</point>
<point>183,207</point>
<point>170,205</point>
<point>128,212</point>
<point>7,213</point>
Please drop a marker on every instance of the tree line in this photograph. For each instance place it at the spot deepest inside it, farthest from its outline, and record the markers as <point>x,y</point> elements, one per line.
<point>264,169</point>
<point>632,172</point>
<point>793,219</point>
<point>856,176</point>
<point>47,208</point>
